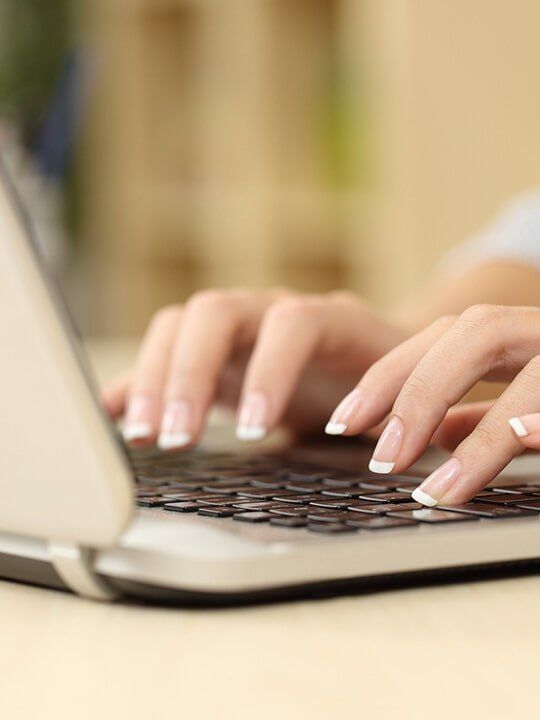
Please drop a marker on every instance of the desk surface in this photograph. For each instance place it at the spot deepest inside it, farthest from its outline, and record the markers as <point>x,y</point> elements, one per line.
<point>461,651</point>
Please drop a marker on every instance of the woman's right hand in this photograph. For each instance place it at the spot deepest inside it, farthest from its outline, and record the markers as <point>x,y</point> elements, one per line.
<point>280,357</point>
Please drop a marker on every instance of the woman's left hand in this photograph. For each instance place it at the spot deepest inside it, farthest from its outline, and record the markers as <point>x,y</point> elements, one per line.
<point>418,383</point>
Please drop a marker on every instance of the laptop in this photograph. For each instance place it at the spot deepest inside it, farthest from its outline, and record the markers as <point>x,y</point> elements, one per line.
<point>81,512</point>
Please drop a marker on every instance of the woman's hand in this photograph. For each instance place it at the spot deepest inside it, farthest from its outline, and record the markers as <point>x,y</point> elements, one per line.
<point>420,381</point>
<point>287,357</point>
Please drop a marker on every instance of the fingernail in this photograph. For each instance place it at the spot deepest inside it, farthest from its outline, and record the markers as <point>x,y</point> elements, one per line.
<point>525,425</point>
<point>253,417</point>
<point>387,449</point>
<point>137,423</point>
<point>175,427</point>
<point>435,487</point>
<point>343,414</point>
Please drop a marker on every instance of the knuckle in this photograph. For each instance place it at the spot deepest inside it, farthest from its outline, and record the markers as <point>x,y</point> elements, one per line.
<point>416,388</point>
<point>292,309</point>
<point>166,315</point>
<point>344,297</point>
<point>481,315</point>
<point>444,322</point>
<point>211,301</point>
<point>486,435</point>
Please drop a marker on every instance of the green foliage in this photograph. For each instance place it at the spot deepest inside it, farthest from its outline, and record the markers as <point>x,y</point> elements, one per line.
<point>34,35</point>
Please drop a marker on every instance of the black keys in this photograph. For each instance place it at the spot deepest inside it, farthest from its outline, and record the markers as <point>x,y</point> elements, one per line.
<point>289,522</point>
<point>305,488</point>
<point>387,497</point>
<point>296,499</point>
<point>264,494</point>
<point>326,516</point>
<point>485,510</point>
<point>383,508</point>
<point>331,503</point>
<point>151,502</point>
<point>154,492</point>
<point>330,528</point>
<point>352,492</point>
<point>270,482</point>
<point>253,516</point>
<point>338,482</point>
<point>264,505</point>
<point>291,511</point>
<point>219,512</point>
<point>525,489</point>
<point>531,504</point>
<point>503,498</point>
<point>379,523</point>
<point>182,507</point>
<point>431,515</point>
<point>224,490</point>
<point>219,502</point>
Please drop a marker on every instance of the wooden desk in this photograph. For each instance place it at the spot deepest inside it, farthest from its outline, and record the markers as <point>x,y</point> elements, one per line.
<point>462,651</point>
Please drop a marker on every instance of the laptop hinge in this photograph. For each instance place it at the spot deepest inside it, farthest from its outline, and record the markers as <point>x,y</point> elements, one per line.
<point>74,565</point>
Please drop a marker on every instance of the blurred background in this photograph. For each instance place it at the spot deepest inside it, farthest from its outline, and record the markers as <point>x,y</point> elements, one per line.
<point>168,145</point>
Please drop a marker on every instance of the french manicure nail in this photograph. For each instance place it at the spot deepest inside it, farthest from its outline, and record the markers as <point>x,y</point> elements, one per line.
<point>253,417</point>
<point>343,414</point>
<point>387,449</point>
<point>137,423</point>
<point>518,427</point>
<point>435,487</point>
<point>175,427</point>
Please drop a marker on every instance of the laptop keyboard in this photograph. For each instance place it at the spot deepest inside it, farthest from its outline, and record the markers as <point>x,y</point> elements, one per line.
<point>285,493</point>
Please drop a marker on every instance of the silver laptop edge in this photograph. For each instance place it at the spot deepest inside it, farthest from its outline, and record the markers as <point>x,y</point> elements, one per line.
<point>66,489</point>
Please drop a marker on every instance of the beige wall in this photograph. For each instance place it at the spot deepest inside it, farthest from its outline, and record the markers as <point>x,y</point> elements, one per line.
<point>207,162</point>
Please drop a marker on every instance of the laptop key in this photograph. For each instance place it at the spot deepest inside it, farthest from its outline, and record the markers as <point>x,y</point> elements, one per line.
<point>489,511</point>
<point>530,504</point>
<point>264,505</point>
<point>295,498</point>
<point>326,516</point>
<point>388,497</point>
<point>291,522</point>
<point>305,487</point>
<point>219,490</point>
<point>253,517</point>
<point>330,528</point>
<point>291,511</point>
<point>263,494</point>
<point>338,482</point>
<point>379,523</point>
<point>151,502</point>
<point>331,503</point>
<point>270,483</point>
<point>430,515</point>
<point>352,492</point>
<point>219,512</point>
<point>384,508</point>
<point>182,507</point>
<point>503,498</point>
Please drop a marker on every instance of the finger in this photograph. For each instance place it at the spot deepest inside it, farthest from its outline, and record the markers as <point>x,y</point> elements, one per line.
<point>292,331</point>
<point>488,449</point>
<point>371,400</point>
<point>114,396</point>
<point>214,323</point>
<point>527,430</point>
<point>490,343</point>
<point>459,422</point>
<point>144,403</point>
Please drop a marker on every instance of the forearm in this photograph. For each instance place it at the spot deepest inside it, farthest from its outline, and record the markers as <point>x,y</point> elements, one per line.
<point>498,282</point>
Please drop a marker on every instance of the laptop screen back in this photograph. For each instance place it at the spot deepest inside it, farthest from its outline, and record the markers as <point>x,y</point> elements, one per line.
<point>62,473</point>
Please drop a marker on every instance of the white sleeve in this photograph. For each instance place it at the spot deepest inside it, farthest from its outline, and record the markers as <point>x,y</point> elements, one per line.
<point>514,234</point>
